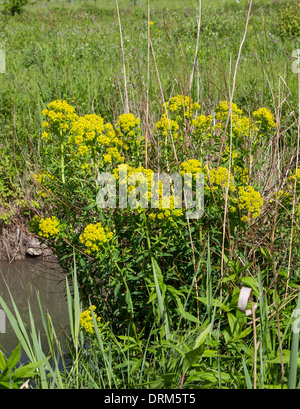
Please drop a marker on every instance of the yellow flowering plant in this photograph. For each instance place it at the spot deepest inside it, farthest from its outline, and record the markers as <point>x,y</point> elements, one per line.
<point>115,247</point>
<point>129,131</point>
<point>46,227</point>
<point>94,237</point>
<point>86,320</point>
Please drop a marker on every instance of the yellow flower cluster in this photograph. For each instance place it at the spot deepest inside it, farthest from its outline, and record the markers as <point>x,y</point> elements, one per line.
<point>166,213</point>
<point>128,129</point>
<point>293,177</point>
<point>251,201</point>
<point>127,125</point>
<point>86,129</point>
<point>86,320</point>
<point>219,178</point>
<point>241,125</point>
<point>59,115</point>
<point>43,179</point>
<point>93,237</point>
<point>265,120</point>
<point>89,132</point>
<point>241,173</point>
<point>48,227</point>
<point>134,178</point>
<point>192,166</point>
<point>202,124</point>
<point>223,108</point>
<point>166,125</point>
<point>130,171</point>
<point>181,106</point>
<point>113,153</point>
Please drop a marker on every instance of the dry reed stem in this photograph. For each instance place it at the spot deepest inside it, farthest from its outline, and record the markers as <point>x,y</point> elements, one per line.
<point>147,90</point>
<point>196,51</point>
<point>123,60</point>
<point>295,192</point>
<point>234,79</point>
<point>255,345</point>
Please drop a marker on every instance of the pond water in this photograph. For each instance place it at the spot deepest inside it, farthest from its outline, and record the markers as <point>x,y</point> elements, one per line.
<point>24,278</point>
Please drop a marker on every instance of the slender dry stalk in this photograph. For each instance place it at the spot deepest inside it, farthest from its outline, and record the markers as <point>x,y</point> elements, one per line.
<point>147,90</point>
<point>295,192</point>
<point>255,345</point>
<point>275,279</point>
<point>123,59</point>
<point>196,51</point>
<point>234,79</point>
<point>226,200</point>
<point>163,99</point>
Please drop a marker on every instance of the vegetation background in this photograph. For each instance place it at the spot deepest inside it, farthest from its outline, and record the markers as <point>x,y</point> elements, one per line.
<point>171,317</point>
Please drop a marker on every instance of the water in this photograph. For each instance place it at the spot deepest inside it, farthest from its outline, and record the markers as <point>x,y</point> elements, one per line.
<point>24,278</point>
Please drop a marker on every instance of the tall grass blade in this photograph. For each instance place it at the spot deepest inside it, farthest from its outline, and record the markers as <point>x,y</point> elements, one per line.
<point>247,375</point>
<point>209,295</point>
<point>292,378</point>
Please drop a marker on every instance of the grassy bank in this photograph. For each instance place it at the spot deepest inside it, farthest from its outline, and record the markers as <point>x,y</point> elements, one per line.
<point>216,97</point>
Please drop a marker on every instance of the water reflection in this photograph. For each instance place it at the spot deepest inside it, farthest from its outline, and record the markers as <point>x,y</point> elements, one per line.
<point>23,279</point>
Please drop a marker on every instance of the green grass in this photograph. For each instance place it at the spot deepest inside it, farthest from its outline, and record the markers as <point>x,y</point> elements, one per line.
<point>57,51</point>
<point>197,336</point>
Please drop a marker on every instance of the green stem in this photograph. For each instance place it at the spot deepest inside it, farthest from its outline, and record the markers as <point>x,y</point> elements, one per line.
<point>130,303</point>
<point>62,164</point>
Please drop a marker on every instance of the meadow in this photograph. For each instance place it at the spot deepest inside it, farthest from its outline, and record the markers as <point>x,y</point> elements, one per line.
<point>190,88</point>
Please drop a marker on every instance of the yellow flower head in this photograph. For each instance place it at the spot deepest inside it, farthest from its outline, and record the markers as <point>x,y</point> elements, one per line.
<point>165,126</point>
<point>181,106</point>
<point>251,201</point>
<point>86,320</point>
<point>49,227</point>
<point>127,125</point>
<point>59,114</point>
<point>265,120</point>
<point>191,166</point>
<point>94,237</point>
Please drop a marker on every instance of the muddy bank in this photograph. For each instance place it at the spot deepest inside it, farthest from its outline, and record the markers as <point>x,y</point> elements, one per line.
<point>16,243</point>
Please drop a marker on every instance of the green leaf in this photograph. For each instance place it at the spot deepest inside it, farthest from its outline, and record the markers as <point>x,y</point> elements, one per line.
<point>27,371</point>
<point>234,325</point>
<point>247,375</point>
<point>14,357</point>
<point>163,381</point>
<point>192,357</point>
<point>186,315</point>
<point>215,302</point>
<point>252,283</point>
<point>2,361</point>
<point>163,312</point>
<point>294,353</point>
<point>202,336</point>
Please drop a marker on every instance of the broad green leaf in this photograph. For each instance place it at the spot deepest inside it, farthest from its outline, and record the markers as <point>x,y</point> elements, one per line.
<point>215,302</point>
<point>14,357</point>
<point>202,336</point>
<point>252,283</point>
<point>192,357</point>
